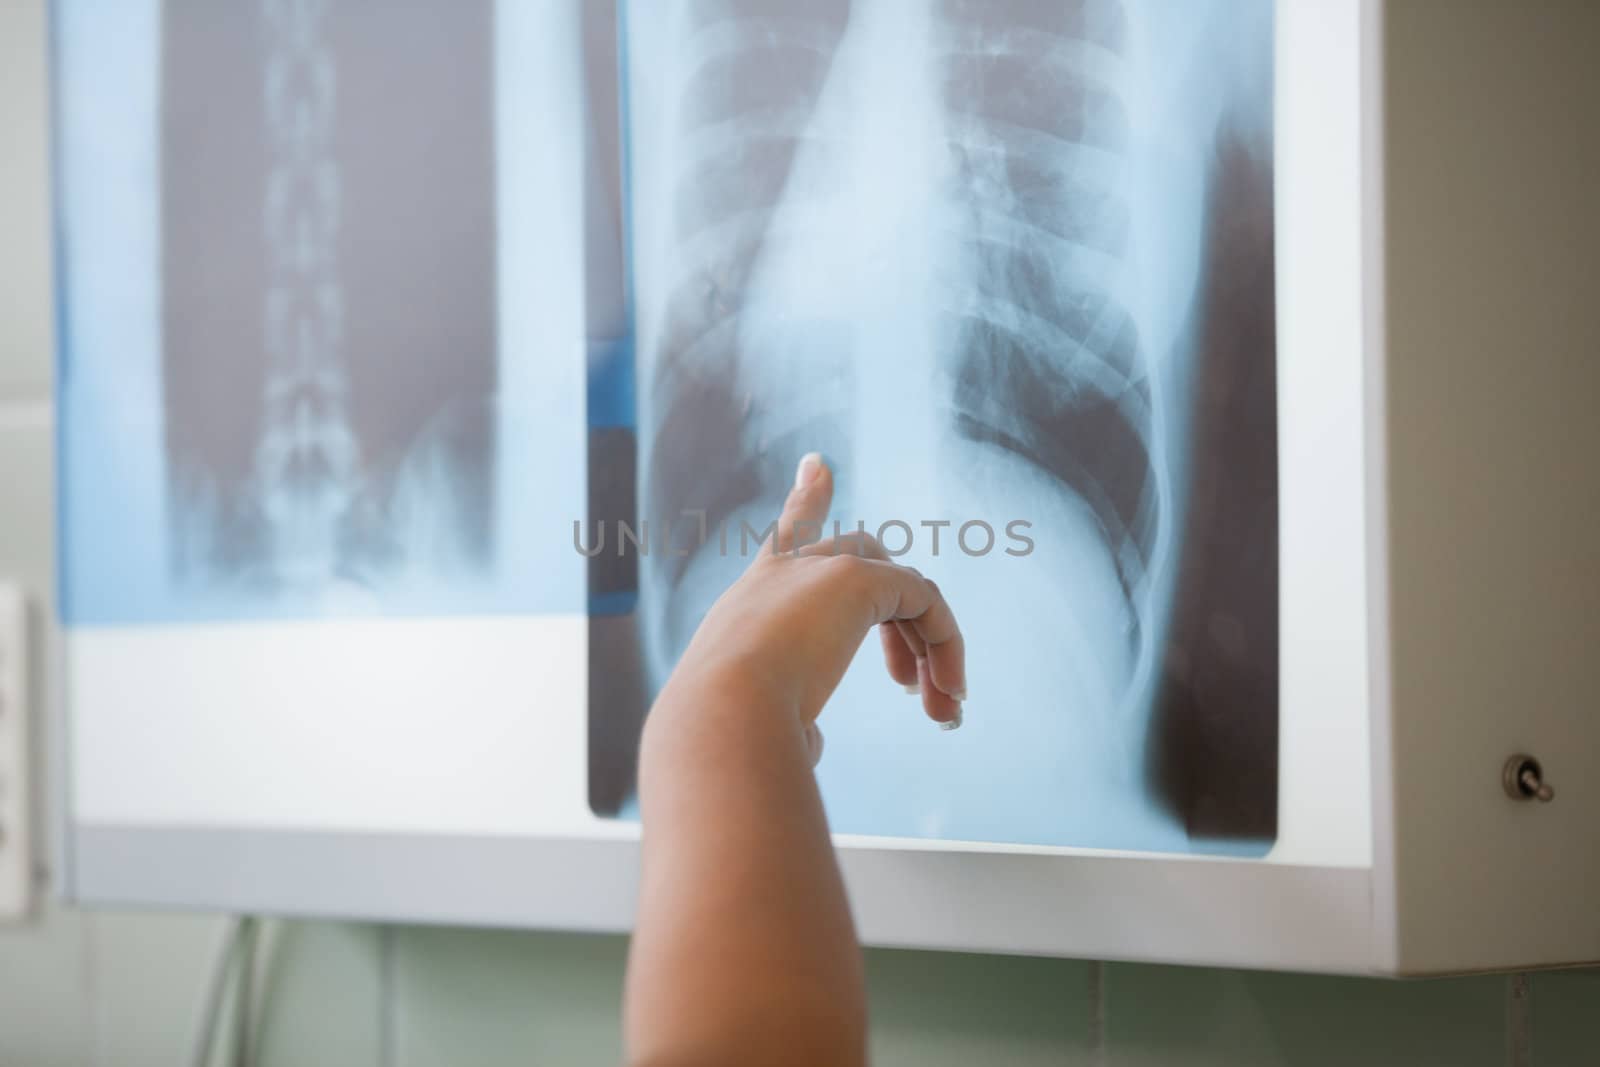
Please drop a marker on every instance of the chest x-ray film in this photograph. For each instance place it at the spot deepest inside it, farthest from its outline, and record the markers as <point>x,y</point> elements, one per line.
<point>1009,265</point>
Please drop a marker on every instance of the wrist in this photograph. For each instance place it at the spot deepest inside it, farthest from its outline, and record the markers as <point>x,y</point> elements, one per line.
<point>723,703</point>
<point>726,688</point>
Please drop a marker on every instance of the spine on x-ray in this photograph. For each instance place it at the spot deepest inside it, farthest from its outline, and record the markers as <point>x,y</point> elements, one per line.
<point>307,459</point>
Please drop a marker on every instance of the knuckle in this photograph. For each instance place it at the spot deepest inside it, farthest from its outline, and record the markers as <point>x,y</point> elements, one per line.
<point>850,577</point>
<point>844,566</point>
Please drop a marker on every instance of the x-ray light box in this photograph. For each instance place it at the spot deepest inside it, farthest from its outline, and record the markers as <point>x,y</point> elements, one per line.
<point>426,371</point>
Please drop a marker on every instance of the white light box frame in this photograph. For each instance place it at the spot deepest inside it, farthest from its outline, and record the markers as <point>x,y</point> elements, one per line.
<point>1399,849</point>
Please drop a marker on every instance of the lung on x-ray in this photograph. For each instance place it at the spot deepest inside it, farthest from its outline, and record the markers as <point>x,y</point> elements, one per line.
<point>1009,265</point>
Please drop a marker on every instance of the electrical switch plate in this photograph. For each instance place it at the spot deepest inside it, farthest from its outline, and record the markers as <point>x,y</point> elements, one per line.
<point>16,868</point>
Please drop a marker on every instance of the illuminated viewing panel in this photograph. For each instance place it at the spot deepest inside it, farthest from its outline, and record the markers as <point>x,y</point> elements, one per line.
<point>427,370</point>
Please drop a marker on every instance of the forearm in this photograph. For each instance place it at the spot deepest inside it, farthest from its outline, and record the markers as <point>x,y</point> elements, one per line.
<point>744,952</point>
<point>758,965</point>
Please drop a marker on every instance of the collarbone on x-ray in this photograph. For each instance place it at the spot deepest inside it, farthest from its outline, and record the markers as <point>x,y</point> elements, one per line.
<point>955,246</point>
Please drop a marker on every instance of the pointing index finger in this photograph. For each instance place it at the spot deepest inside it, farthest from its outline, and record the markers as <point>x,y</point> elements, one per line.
<point>807,504</point>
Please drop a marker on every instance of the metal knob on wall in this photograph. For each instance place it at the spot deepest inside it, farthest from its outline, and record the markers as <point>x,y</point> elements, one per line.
<point>1523,779</point>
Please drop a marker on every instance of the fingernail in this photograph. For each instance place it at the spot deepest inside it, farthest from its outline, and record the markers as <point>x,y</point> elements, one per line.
<point>810,467</point>
<point>961,696</point>
<point>953,724</point>
<point>914,689</point>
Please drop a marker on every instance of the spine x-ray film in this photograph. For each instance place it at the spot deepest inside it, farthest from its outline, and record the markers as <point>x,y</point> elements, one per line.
<point>313,407</point>
<point>329,223</point>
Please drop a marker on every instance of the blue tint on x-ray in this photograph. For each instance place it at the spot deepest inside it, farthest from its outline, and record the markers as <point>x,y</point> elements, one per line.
<point>611,389</point>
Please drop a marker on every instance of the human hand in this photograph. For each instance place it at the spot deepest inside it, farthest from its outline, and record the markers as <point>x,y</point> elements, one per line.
<point>785,632</point>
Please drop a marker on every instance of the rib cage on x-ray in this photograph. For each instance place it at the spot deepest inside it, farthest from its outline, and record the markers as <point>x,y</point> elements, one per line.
<point>1000,142</point>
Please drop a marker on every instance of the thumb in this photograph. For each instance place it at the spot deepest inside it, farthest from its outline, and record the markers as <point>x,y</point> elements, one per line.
<point>813,743</point>
<point>807,505</point>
